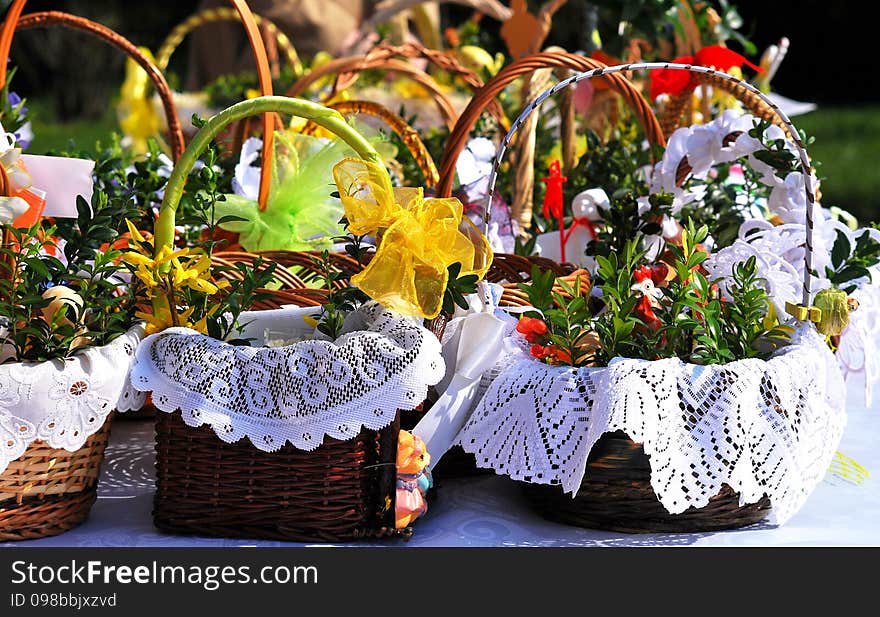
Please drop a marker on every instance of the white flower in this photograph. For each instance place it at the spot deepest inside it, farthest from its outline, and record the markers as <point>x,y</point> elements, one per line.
<point>778,252</point>
<point>788,198</point>
<point>475,161</point>
<point>857,350</point>
<point>246,181</point>
<point>706,144</point>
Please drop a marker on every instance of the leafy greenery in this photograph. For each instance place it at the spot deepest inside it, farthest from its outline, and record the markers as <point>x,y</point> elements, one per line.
<point>340,301</point>
<point>13,112</point>
<point>457,288</point>
<point>622,222</point>
<point>617,323</point>
<point>849,262</point>
<point>685,317</point>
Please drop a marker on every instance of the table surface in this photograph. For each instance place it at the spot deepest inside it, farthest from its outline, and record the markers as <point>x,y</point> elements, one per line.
<point>490,511</point>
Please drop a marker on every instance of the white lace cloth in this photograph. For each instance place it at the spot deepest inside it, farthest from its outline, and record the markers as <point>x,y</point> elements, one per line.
<point>64,402</point>
<point>298,393</point>
<point>763,428</point>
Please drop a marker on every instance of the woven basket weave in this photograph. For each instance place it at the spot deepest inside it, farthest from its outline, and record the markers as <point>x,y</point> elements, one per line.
<point>616,491</point>
<point>343,490</point>
<point>48,491</point>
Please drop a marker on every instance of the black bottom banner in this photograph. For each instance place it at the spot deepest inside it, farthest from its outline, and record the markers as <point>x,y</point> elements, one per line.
<point>386,581</point>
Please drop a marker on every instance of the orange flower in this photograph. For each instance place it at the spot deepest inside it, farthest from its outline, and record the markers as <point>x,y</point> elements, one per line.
<point>551,353</point>
<point>532,328</point>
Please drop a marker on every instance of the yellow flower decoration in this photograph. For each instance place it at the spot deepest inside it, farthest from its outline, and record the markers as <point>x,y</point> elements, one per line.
<point>478,59</point>
<point>166,273</point>
<point>419,239</point>
<point>137,116</point>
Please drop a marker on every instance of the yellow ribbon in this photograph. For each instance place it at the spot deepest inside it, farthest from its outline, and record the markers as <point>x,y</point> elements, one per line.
<point>137,116</point>
<point>419,239</point>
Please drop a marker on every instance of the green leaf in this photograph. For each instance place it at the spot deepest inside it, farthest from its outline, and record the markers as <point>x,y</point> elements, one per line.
<point>841,250</point>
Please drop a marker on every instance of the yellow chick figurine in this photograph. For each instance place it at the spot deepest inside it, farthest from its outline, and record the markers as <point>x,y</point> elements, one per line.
<point>413,479</point>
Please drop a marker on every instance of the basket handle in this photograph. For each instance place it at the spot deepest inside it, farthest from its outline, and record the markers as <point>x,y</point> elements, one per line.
<point>72,22</point>
<point>327,118</point>
<point>524,66</point>
<point>218,14</point>
<point>355,64</point>
<point>650,66</point>
<point>408,135</point>
<point>756,105</point>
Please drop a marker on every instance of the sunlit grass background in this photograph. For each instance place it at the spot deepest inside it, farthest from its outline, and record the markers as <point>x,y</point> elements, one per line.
<point>847,146</point>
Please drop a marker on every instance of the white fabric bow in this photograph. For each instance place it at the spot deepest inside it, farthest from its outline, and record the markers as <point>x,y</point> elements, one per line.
<point>473,347</point>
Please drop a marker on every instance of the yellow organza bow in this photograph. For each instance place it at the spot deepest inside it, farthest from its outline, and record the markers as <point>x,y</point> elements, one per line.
<point>138,118</point>
<point>418,239</point>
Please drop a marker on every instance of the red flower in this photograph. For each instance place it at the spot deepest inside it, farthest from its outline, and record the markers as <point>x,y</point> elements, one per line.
<point>657,273</point>
<point>532,328</point>
<point>674,81</point>
<point>551,353</point>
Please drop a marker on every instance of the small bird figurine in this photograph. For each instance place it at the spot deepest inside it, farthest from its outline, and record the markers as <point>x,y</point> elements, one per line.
<point>836,307</point>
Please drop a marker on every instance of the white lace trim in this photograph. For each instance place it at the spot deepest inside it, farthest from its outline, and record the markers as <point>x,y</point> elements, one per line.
<point>299,393</point>
<point>764,428</point>
<point>64,402</point>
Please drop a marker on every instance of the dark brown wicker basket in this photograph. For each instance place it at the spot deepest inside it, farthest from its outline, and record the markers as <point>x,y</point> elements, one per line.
<point>48,491</point>
<point>343,490</point>
<point>616,491</point>
<point>616,495</point>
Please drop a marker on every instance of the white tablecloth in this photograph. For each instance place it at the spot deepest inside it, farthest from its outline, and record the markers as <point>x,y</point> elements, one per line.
<point>490,511</point>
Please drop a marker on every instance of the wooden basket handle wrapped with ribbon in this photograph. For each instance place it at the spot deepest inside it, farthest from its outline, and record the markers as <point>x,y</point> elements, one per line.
<point>527,66</point>
<point>387,57</point>
<point>220,14</point>
<point>47,19</point>
<point>328,119</point>
<point>802,312</point>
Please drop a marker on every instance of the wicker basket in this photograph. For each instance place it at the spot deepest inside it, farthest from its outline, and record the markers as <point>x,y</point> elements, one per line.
<point>14,22</point>
<point>339,491</point>
<point>616,491</point>
<point>678,110</point>
<point>618,496</point>
<point>528,66</point>
<point>175,132</point>
<point>49,491</point>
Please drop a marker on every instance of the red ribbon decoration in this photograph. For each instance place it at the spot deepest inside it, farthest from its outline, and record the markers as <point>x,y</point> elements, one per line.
<point>553,201</point>
<point>671,81</point>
